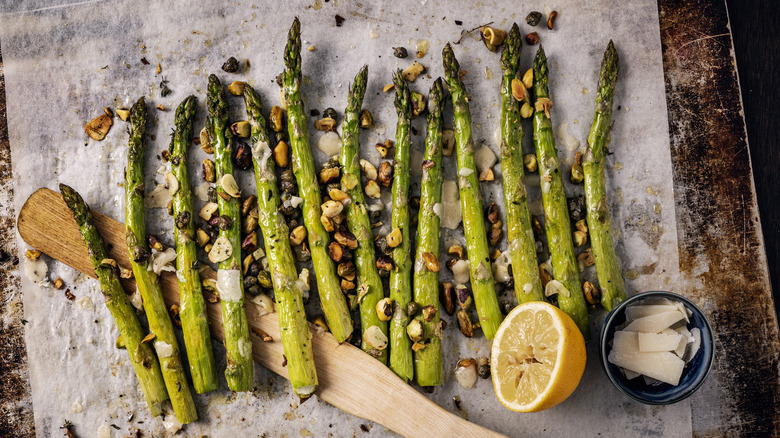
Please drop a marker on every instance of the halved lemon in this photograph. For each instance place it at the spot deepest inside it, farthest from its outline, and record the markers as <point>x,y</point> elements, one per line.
<point>537,359</point>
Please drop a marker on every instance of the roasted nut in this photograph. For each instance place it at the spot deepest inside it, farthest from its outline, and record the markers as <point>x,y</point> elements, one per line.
<point>240,129</point>
<point>327,223</point>
<point>465,324</point>
<point>325,124</point>
<point>580,238</point>
<point>577,174</point>
<point>381,245</point>
<point>201,237</point>
<point>592,293</point>
<point>329,175</point>
<point>297,235</point>
<point>340,196</point>
<point>431,262</point>
<point>526,111</point>
<point>551,19</point>
<point>413,71</point>
<point>577,208</point>
<point>415,330</point>
<point>280,154</point>
<point>209,171</point>
<point>532,38</point>
<point>581,225</point>
<point>412,308</point>
<point>543,104</point>
<point>384,263</point>
<point>394,238</point>
<point>98,127</point>
<point>495,254</point>
<point>418,104</point>
<point>58,283</point>
<point>205,141</point>
<point>347,270</point>
<point>585,259</point>
<point>265,280</point>
<point>518,90</point>
<point>400,52</point>
<point>366,119</point>
<point>339,218</point>
<point>345,238</point>
<point>455,251</point>
<point>446,292</point>
<point>530,163</point>
<point>236,88</point>
<point>494,236</point>
<point>372,189</point>
<point>231,65</point>
<point>385,174</point>
<point>243,156</point>
<point>492,213</point>
<point>332,208</point>
<point>319,321</point>
<point>276,118</point>
<point>302,253</point>
<point>528,78</point>
<point>428,313</point>
<point>347,285</point>
<point>337,252</point>
<point>384,309</point>
<point>463,295</point>
<point>248,204</point>
<point>383,149</point>
<point>544,274</point>
<point>32,254</point>
<point>493,37</point>
<point>248,260</point>
<point>155,243</point>
<point>250,224</point>
<point>330,112</point>
<point>123,114</point>
<point>369,171</point>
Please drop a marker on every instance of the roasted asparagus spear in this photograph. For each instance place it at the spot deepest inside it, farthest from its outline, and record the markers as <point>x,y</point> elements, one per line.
<point>370,289</point>
<point>556,212</point>
<point>593,164</point>
<point>480,270</point>
<point>165,343</point>
<point>144,361</point>
<point>227,248</point>
<point>428,367</point>
<point>334,304</point>
<point>194,323</point>
<point>296,337</point>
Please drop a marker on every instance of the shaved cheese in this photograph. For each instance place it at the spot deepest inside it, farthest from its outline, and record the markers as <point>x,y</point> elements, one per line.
<point>465,171</point>
<point>649,342</point>
<point>450,201</point>
<point>35,270</point>
<point>161,261</point>
<point>163,349</point>
<point>484,158</point>
<point>655,323</point>
<point>295,201</point>
<point>229,285</point>
<point>695,344</point>
<point>157,198</point>
<point>641,310</point>
<point>663,366</point>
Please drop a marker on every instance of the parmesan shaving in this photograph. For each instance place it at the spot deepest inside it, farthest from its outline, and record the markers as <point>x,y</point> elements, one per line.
<point>229,285</point>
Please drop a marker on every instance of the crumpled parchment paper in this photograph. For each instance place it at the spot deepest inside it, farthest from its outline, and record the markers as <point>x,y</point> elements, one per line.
<point>65,62</point>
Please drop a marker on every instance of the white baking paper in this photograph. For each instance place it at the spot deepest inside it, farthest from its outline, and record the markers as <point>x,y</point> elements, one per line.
<point>64,62</point>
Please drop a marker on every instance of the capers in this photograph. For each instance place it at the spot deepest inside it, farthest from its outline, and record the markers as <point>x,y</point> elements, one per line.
<point>231,65</point>
<point>533,18</point>
<point>400,52</point>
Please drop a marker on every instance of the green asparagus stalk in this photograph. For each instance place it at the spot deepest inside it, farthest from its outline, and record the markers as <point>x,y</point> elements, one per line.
<point>369,283</point>
<point>428,367</point>
<point>230,285</point>
<point>144,361</point>
<point>296,337</point>
<point>556,213</point>
<point>401,361</point>
<point>480,270</point>
<point>334,304</point>
<point>522,247</point>
<point>165,342</point>
<point>195,325</point>
<point>613,290</point>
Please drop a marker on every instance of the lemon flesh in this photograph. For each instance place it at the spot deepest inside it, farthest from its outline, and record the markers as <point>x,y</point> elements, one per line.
<point>538,358</point>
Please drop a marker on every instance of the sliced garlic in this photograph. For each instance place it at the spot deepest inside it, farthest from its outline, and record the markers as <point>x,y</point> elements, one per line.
<point>230,186</point>
<point>555,287</point>
<point>329,143</point>
<point>221,250</point>
<point>172,182</point>
<point>375,338</point>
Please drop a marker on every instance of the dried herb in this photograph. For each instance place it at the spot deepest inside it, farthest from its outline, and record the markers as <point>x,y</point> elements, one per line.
<point>164,90</point>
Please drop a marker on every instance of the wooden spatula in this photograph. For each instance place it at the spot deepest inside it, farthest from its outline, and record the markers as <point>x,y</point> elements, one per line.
<point>349,378</point>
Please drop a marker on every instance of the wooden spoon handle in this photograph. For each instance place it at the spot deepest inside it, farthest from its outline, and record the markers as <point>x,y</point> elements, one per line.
<point>349,378</point>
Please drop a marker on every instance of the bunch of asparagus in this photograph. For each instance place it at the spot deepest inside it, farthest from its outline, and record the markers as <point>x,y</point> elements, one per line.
<point>413,337</point>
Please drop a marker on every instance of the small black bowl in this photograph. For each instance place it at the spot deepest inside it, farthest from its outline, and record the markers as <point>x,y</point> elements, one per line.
<point>694,373</point>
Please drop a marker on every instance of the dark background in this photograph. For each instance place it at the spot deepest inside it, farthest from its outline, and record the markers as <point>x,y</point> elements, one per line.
<point>754,28</point>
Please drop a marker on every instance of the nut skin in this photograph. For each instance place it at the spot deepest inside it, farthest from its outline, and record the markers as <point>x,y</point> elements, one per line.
<point>209,171</point>
<point>155,243</point>
<point>446,292</point>
<point>249,243</point>
<point>385,174</point>
<point>428,313</point>
<point>551,19</point>
<point>384,309</point>
<point>276,118</point>
<point>465,324</point>
<point>243,157</point>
